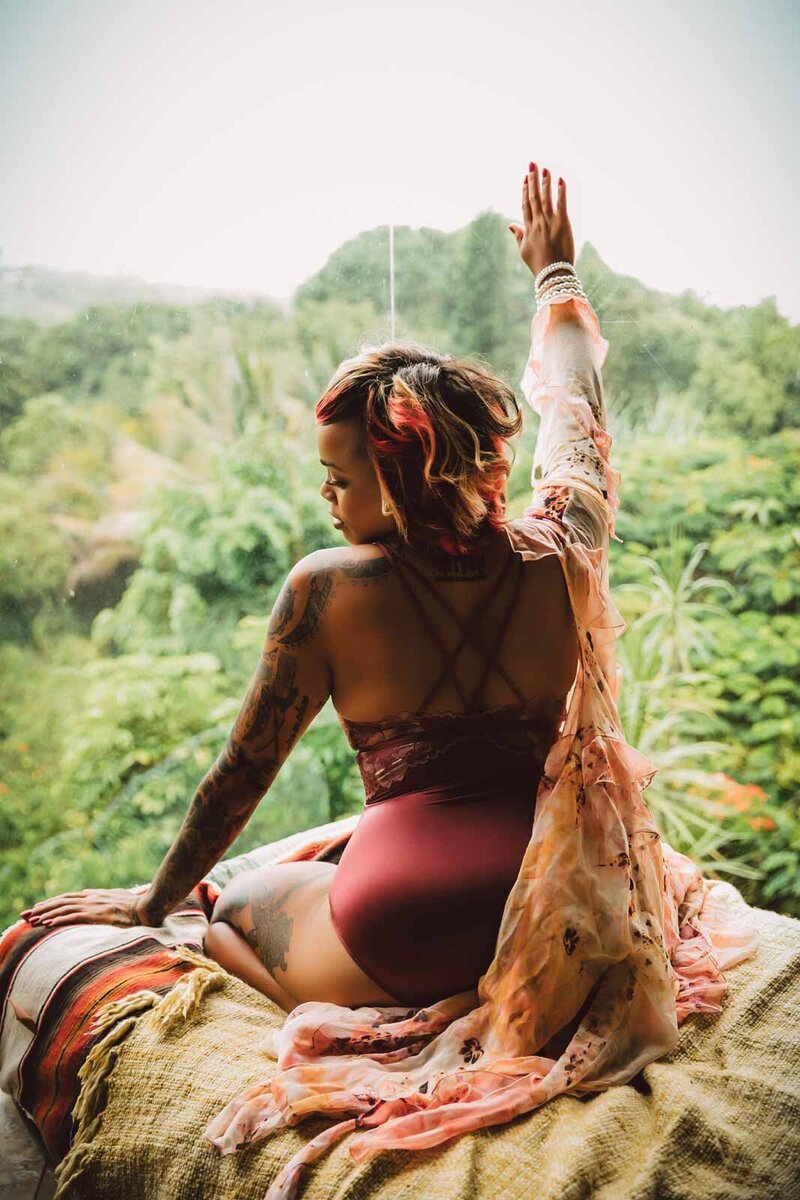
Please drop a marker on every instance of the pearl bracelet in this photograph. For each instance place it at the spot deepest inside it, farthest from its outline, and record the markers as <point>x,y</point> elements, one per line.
<point>566,289</point>
<point>562,285</point>
<point>548,270</point>
<point>557,288</point>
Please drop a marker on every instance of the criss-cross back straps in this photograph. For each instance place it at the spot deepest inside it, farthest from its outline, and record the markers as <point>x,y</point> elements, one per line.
<point>466,628</point>
<point>501,628</point>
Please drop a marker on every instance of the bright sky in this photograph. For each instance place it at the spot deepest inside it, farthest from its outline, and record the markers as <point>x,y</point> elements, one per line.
<point>237,143</point>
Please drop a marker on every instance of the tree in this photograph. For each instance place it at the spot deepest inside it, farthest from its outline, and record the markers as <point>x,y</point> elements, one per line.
<point>480,291</point>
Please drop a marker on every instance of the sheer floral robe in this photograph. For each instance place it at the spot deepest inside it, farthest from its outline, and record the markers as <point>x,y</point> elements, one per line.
<point>609,938</point>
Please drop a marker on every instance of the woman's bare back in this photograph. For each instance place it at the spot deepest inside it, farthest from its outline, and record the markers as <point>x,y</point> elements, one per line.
<point>384,655</point>
<point>384,659</point>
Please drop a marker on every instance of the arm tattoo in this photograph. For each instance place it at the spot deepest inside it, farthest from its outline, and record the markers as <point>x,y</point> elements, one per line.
<point>284,610</point>
<point>318,596</point>
<point>272,715</point>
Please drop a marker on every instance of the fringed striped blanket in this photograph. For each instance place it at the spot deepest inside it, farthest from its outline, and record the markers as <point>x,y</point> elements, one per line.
<point>718,1116</point>
<point>54,983</point>
<point>147,1040</point>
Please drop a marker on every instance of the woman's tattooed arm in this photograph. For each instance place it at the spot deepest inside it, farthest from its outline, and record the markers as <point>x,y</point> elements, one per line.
<point>291,684</point>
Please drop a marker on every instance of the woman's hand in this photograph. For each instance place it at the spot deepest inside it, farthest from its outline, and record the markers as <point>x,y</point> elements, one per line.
<point>547,233</point>
<point>93,906</point>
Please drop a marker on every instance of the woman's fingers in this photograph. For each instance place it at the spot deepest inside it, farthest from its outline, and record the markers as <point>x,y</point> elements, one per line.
<point>100,906</point>
<point>57,911</point>
<point>534,198</point>
<point>527,212</point>
<point>547,196</point>
<point>47,906</point>
<point>41,905</point>
<point>51,918</point>
<point>562,198</point>
<point>67,919</point>
<point>537,196</point>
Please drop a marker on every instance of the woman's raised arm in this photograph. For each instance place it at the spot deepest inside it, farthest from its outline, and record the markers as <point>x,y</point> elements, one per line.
<point>573,481</point>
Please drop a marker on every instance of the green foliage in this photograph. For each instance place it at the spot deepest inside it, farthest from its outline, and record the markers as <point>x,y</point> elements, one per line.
<point>74,733</point>
<point>19,374</point>
<point>64,451</point>
<point>199,422</point>
<point>358,272</point>
<point>480,301</point>
<point>212,554</point>
<point>748,373</point>
<point>114,750</point>
<point>229,365</point>
<point>34,561</point>
<point>105,348</point>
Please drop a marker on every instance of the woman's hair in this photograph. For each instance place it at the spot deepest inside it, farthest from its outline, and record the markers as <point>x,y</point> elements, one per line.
<point>436,429</point>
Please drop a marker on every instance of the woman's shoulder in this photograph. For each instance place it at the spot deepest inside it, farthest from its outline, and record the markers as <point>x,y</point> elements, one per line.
<point>355,562</point>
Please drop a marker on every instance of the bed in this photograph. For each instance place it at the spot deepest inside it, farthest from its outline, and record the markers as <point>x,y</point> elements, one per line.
<point>133,1040</point>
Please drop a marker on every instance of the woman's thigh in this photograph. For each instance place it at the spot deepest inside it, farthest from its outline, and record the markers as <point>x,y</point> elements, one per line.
<point>282,912</point>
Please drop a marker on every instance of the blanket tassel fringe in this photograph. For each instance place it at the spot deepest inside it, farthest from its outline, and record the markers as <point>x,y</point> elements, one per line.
<point>116,1021</point>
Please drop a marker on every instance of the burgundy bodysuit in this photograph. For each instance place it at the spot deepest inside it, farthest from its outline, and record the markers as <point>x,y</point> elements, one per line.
<point>419,892</point>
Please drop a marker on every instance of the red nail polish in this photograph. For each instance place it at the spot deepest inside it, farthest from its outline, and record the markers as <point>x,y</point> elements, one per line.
<point>544,172</point>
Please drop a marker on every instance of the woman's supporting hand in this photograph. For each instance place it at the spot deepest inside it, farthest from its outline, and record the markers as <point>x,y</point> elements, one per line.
<point>546,235</point>
<point>93,906</point>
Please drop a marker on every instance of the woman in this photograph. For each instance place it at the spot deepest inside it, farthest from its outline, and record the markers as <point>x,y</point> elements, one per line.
<point>415,449</point>
<point>506,872</point>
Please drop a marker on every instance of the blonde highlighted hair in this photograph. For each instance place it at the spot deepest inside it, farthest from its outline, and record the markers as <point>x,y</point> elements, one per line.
<point>436,429</point>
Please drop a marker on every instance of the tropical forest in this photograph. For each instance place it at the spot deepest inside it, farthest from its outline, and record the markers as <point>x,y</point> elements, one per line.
<point>159,477</point>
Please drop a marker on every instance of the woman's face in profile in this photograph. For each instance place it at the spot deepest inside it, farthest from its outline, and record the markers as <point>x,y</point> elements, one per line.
<point>351,488</point>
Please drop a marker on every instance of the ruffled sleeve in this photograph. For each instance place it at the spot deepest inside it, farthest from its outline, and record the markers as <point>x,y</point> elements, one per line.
<point>574,484</point>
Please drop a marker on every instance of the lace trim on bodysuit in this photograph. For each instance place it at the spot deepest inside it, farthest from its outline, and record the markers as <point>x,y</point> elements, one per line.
<point>390,751</point>
<point>545,706</point>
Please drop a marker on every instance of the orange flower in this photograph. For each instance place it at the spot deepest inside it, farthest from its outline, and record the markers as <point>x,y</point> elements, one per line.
<point>760,822</point>
<point>734,795</point>
<point>741,796</point>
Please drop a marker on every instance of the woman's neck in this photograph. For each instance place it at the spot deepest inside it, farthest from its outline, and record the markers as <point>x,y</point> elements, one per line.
<point>476,564</point>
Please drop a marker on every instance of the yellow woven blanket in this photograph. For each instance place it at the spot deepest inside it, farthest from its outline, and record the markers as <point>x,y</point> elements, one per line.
<point>719,1116</point>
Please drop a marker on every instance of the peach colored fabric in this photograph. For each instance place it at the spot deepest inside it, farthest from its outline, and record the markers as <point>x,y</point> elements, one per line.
<point>609,938</point>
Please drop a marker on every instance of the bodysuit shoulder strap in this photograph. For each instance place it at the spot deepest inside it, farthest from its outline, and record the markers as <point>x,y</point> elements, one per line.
<point>466,628</point>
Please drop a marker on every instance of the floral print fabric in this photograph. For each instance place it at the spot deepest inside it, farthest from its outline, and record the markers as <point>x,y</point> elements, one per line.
<point>609,938</point>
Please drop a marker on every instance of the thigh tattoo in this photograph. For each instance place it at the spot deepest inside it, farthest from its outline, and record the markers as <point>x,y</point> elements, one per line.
<point>259,912</point>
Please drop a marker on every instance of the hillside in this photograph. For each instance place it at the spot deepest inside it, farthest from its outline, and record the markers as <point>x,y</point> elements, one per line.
<point>49,295</point>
